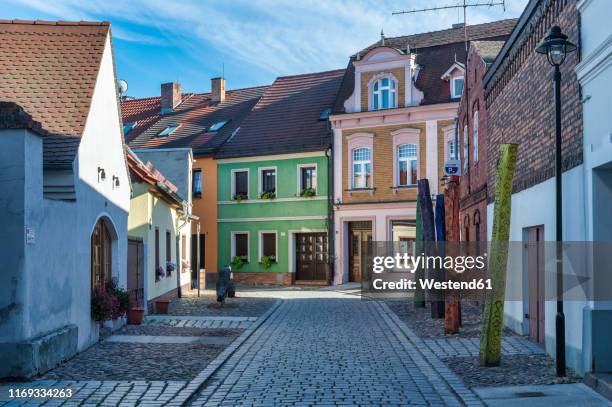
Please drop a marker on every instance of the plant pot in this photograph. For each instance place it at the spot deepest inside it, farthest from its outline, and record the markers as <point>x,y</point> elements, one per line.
<point>135,316</point>
<point>161,306</point>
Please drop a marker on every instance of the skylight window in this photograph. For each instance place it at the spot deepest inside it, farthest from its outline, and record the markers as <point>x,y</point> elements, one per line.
<point>325,114</point>
<point>127,127</point>
<point>169,130</point>
<point>217,125</point>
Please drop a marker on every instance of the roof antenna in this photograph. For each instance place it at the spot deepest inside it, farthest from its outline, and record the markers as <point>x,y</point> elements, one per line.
<point>382,38</point>
<point>223,70</point>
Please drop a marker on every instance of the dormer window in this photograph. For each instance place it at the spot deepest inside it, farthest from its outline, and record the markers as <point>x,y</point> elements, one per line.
<point>384,93</point>
<point>456,87</point>
<point>217,125</point>
<point>168,130</point>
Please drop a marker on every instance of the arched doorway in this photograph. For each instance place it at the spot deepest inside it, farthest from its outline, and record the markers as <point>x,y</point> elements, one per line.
<point>101,255</point>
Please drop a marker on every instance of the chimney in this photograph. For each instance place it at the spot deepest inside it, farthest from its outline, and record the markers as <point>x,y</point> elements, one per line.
<point>170,96</point>
<point>217,86</point>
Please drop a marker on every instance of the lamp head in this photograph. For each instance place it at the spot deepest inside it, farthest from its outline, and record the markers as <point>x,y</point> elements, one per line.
<point>555,46</point>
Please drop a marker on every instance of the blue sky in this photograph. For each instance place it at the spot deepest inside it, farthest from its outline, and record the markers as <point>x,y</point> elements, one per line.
<point>158,41</point>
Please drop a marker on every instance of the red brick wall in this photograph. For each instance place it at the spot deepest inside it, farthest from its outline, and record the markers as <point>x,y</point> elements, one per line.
<point>520,105</point>
<point>473,184</point>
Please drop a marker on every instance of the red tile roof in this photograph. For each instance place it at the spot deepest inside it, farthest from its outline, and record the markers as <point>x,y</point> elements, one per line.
<point>196,113</point>
<point>12,116</point>
<point>287,118</point>
<point>50,69</point>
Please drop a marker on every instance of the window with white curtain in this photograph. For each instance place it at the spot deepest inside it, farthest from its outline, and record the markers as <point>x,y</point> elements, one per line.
<point>384,94</point>
<point>407,164</point>
<point>362,168</point>
<point>475,137</point>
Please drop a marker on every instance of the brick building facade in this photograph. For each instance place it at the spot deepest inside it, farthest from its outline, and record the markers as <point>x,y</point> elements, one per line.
<point>472,131</point>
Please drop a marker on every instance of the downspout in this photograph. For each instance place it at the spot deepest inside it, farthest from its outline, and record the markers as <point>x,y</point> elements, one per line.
<point>186,218</point>
<point>330,208</point>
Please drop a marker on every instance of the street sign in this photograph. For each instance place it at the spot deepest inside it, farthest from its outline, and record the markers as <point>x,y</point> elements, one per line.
<point>452,167</point>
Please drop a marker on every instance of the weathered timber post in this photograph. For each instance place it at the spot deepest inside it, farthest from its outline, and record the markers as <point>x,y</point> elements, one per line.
<point>438,305</point>
<point>493,317</point>
<point>451,210</point>
<point>419,295</point>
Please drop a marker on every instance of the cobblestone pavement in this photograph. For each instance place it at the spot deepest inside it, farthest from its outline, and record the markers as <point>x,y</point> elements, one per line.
<point>325,348</point>
<point>206,305</point>
<point>200,322</point>
<point>452,347</point>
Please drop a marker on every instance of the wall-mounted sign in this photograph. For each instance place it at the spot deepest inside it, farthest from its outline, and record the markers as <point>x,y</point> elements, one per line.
<point>452,167</point>
<point>30,236</point>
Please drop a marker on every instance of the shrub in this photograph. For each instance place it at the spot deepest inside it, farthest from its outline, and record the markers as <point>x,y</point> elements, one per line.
<point>268,195</point>
<point>103,304</point>
<point>240,197</point>
<point>239,261</point>
<point>308,192</point>
<point>266,261</point>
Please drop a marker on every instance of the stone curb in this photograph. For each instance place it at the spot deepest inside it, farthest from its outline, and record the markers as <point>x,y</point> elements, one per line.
<point>193,386</point>
<point>455,384</point>
<point>197,318</point>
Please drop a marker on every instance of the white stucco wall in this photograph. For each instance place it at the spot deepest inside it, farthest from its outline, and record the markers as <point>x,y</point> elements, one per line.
<point>535,206</point>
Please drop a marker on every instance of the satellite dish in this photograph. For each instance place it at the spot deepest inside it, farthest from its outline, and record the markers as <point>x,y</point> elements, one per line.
<point>122,87</point>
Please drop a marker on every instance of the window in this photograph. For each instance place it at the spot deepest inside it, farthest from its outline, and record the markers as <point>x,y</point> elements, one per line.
<point>308,179</point>
<point>168,130</point>
<point>127,127</point>
<point>183,247</point>
<point>362,168</point>
<point>156,254</point>
<point>168,247</point>
<point>325,114</point>
<point>456,86</point>
<point>240,245</point>
<point>452,150</point>
<point>384,94</point>
<point>240,184</point>
<point>197,183</point>
<point>101,256</point>
<point>217,125</point>
<point>465,148</point>
<point>268,180</point>
<point>198,250</point>
<point>407,164</point>
<point>475,137</point>
<point>267,245</point>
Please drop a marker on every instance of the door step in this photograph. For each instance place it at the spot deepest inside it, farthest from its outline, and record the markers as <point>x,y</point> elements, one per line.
<point>311,282</point>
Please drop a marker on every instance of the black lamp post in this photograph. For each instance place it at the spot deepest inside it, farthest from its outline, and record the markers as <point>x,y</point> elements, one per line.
<point>556,47</point>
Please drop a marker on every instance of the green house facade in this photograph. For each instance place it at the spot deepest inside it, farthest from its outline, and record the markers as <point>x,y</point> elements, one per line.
<point>273,185</point>
<point>289,229</point>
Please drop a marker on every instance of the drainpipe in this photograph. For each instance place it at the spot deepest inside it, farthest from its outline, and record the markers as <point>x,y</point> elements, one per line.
<point>330,208</point>
<point>186,218</point>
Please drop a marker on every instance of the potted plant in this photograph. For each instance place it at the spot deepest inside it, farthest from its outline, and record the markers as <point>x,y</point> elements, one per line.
<point>123,301</point>
<point>169,268</point>
<point>102,305</point>
<point>161,306</point>
<point>268,195</point>
<point>159,273</point>
<point>135,316</point>
<point>239,197</point>
<point>239,261</point>
<point>308,192</point>
<point>266,261</point>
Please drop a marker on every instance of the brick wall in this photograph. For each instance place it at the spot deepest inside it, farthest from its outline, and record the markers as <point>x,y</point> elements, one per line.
<point>473,184</point>
<point>401,86</point>
<point>520,105</point>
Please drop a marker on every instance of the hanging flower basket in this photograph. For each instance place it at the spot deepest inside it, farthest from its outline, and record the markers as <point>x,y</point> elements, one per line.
<point>169,268</point>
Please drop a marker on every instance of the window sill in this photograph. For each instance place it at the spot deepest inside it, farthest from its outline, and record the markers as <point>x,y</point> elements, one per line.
<point>197,196</point>
<point>360,190</point>
<point>398,188</point>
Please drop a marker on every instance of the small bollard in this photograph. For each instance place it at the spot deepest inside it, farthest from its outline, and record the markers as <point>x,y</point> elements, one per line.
<point>225,284</point>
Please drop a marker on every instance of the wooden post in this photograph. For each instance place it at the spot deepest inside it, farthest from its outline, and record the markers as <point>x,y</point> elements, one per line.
<point>451,210</point>
<point>493,317</point>
<point>437,306</point>
<point>419,295</point>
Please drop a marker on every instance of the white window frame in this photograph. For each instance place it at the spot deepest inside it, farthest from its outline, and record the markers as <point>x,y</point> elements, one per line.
<point>362,163</point>
<point>466,150</point>
<point>475,137</point>
<point>358,140</point>
<point>260,171</point>
<point>299,177</point>
<point>233,243</point>
<point>401,137</point>
<point>408,161</point>
<point>449,137</point>
<point>233,182</point>
<point>454,94</point>
<point>378,95</point>
<point>260,234</point>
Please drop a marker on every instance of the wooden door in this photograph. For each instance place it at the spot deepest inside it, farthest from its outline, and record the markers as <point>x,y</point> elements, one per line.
<point>135,277</point>
<point>536,285</point>
<point>360,238</point>
<point>101,256</point>
<point>311,257</point>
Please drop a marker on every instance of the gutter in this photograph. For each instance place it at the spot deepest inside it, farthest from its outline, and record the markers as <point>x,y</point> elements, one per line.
<point>330,205</point>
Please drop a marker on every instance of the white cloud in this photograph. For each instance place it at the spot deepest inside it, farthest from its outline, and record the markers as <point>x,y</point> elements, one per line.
<point>281,37</point>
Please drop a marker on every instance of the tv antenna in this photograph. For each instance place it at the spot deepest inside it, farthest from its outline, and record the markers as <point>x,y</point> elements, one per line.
<point>464,6</point>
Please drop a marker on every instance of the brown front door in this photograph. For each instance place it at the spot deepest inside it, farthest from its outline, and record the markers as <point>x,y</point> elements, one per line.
<point>311,256</point>
<point>359,233</point>
<point>135,277</point>
<point>101,256</point>
<point>535,273</point>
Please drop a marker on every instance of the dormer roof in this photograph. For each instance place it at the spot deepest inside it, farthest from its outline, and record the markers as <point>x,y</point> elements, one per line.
<point>449,72</point>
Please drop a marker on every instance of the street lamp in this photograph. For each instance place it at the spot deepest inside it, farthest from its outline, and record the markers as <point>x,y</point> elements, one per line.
<point>556,47</point>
